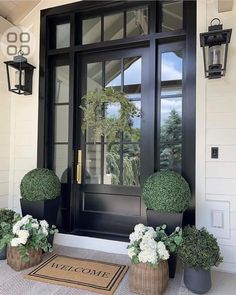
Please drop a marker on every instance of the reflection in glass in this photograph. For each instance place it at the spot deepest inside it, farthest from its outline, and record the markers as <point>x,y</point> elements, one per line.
<point>94,76</point>
<point>170,157</point>
<point>61,161</point>
<point>113,26</point>
<point>62,36</point>
<point>93,164</point>
<point>132,74</point>
<point>91,31</point>
<point>172,15</point>
<point>61,123</point>
<point>131,164</point>
<point>113,74</point>
<point>137,22</point>
<point>112,164</point>
<point>62,84</point>
<point>171,89</point>
<point>171,66</point>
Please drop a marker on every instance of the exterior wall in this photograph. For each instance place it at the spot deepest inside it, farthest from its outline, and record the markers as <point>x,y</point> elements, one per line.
<point>216,127</point>
<point>5,102</point>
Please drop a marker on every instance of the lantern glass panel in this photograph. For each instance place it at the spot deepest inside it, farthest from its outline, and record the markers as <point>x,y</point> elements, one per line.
<point>215,56</point>
<point>17,79</point>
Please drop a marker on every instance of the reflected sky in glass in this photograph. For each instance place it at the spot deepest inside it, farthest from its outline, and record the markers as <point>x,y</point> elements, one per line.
<point>171,66</point>
<point>167,105</point>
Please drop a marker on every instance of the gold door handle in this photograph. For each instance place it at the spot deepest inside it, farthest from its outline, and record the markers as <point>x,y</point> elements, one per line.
<point>79,168</point>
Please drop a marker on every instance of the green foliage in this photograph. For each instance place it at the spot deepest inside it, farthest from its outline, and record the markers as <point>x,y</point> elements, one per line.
<point>166,192</point>
<point>27,234</point>
<point>173,241</point>
<point>171,131</point>
<point>40,184</point>
<point>6,216</point>
<point>199,249</point>
<point>94,106</point>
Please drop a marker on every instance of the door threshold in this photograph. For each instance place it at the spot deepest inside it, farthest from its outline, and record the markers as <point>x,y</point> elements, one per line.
<point>92,243</point>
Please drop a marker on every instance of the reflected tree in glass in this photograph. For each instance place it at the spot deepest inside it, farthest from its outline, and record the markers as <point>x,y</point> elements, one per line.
<point>171,134</point>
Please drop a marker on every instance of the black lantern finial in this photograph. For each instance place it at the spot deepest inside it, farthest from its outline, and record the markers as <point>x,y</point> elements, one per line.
<point>20,70</point>
<point>216,41</point>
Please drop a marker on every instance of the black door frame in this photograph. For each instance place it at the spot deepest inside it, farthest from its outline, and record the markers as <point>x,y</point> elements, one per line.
<point>51,17</point>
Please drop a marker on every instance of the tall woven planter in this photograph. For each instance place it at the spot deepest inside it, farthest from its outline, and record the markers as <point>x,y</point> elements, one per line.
<point>15,261</point>
<point>147,280</point>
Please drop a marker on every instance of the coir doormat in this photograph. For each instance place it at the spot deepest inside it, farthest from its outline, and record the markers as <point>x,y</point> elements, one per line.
<point>90,275</point>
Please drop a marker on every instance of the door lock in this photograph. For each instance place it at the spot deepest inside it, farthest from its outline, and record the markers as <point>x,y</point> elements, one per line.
<point>79,168</point>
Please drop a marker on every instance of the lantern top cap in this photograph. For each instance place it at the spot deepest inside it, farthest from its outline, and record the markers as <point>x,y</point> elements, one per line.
<point>215,27</point>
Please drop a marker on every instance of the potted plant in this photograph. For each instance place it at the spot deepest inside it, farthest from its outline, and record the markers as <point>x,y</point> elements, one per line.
<point>26,241</point>
<point>6,216</point>
<point>40,191</point>
<point>149,268</point>
<point>166,195</point>
<point>199,252</point>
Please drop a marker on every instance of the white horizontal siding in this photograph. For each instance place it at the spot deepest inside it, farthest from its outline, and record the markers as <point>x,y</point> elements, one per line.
<point>233,220</point>
<point>221,169</point>
<point>221,186</point>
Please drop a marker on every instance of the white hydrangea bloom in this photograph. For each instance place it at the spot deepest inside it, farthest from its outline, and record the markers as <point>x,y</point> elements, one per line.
<point>44,231</point>
<point>25,219</point>
<point>44,223</point>
<point>139,228</point>
<point>147,256</point>
<point>131,252</point>
<point>23,236</point>
<point>15,242</point>
<point>35,225</point>
<point>135,236</point>
<point>150,234</point>
<point>16,227</point>
<point>177,229</point>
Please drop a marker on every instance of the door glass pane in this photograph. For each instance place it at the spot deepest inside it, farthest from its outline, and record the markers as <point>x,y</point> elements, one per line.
<point>112,164</point>
<point>94,83</point>
<point>91,30</point>
<point>171,119</point>
<point>172,15</point>
<point>113,74</point>
<point>170,157</point>
<point>131,164</point>
<point>171,66</point>
<point>132,87</point>
<point>137,22</point>
<point>61,161</point>
<point>114,26</point>
<point>93,164</point>
<point>62,36</point>
<point>171,110</point>
<point>94,76</point>
<point>61,123</point>
<point>62,84</point>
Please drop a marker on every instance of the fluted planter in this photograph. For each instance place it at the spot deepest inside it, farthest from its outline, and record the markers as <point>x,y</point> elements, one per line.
<point>15,261</point>
<point>147,280</point>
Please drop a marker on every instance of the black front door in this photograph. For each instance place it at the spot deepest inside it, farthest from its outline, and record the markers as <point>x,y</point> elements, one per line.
<point>110,175</point>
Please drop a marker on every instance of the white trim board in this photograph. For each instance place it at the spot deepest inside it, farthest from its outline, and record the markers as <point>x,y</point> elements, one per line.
<point>109,246</point>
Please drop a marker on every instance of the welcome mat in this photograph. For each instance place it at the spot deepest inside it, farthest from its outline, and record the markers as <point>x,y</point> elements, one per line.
<point>90,275</point>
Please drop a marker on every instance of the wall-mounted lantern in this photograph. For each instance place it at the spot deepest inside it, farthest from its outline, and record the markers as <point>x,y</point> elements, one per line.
<point>215,49</point>
<point>19,75</point>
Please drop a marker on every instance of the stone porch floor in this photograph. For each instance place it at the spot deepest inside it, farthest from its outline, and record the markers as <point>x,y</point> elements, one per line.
<point>13,283</point>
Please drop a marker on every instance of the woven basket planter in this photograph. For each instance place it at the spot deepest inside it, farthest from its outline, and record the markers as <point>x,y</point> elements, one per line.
<point>15,261</point>
<point>147,280</point>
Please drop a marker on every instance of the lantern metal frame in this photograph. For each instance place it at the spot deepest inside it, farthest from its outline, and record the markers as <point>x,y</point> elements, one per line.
<point>19,63</point>
<point>215,36</point>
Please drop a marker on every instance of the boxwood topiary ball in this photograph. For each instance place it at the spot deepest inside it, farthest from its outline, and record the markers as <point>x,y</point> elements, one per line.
<point>166,192</point>
<point>40,184</point>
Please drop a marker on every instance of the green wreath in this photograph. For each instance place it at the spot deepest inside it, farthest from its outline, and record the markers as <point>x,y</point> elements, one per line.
<point>94,106</point>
